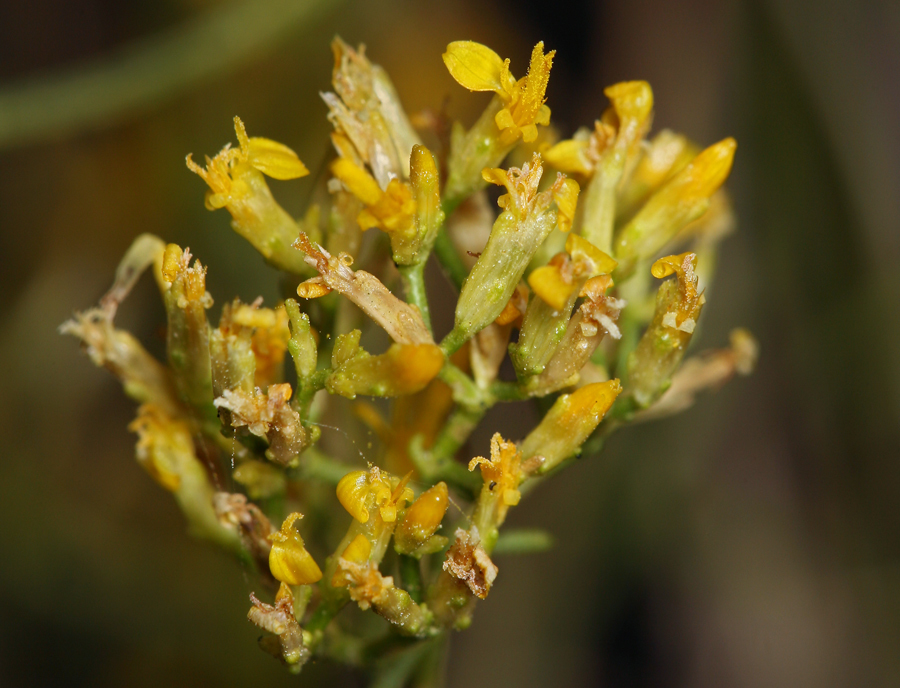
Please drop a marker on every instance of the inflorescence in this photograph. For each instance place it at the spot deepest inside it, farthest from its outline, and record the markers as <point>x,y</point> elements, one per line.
<point>583,225</point>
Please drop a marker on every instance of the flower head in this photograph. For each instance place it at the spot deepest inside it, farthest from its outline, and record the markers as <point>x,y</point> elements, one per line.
<point>288,560</point>
<point>362,492</point>
<point>225,173</point>
<point>478,68</point>
<point>502,474</point>
<point>235,180</point>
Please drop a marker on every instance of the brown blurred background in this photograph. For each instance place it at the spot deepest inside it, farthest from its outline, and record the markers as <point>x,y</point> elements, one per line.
<point>753,541</point>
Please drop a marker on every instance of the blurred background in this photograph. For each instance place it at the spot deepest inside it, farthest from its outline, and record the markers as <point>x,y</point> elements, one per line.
<point>753,541</point>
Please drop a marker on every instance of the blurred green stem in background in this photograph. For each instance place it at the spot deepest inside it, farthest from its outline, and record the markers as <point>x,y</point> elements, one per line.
<point>151,70</point>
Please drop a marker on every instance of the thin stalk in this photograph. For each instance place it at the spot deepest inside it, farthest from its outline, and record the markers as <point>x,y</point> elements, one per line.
<point>450,259</point>
<point>413,277</point>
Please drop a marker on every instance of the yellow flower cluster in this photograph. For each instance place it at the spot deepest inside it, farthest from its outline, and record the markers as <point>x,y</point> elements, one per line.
<point>558,279</point>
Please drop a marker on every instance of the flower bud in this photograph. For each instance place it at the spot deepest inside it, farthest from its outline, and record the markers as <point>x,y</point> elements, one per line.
<point>420,522</point>
<point>681,200</point>
<point>556,285</point>
<point>518,232</point>
<point>664,156</point>
<point>403,369</point>
<point>569,422</point>
<point>594,319</point>
<point>302,344</point>
<point>289,561</point>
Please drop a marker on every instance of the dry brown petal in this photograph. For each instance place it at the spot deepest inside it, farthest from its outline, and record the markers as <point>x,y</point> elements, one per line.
<point>708,371</point>
<point>468,562</point>
<point>234,511</point>
<point>269,416</point>
<point>366,584</point>
<point>279,620</point>
<point>401,321</point>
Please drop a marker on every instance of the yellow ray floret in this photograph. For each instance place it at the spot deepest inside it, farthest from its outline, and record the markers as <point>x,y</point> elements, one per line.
<point>223,173</point>
<point>288,559</point>
<point>478,68</point>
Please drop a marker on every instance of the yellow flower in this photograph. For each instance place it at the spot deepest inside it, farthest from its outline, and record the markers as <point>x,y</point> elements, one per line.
<point>288,559</point>
<point>682,199</point>
<point>236,182</point>
<point>502,474</point>
<point>361,492</point>
<point>164,445</point>
<point>390,210</point>
<point>478,68</point>
<point>224,173</point>
<point>570,421</point>
<point>555,282</point>
<point>402,322</point>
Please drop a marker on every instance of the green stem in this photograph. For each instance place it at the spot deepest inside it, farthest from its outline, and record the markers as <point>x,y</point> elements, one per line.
<point>394,669</point>
<point>453,341</point>
<point>411,576</point>
<point>323,616</point>
<point>308,388</point>
<point>413,277</point>
<point>450,259</point>
<point>465,391</point>
<point>508,391</point>
<point>456,431</point>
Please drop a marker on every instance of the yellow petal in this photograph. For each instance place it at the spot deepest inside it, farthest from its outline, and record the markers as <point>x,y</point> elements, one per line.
<point>293,565</point>
<point>289,561</point>
<point>358,550</point>
<point>494,175</point>
<point>351,493</point>
<point>709,170</point>
<point>580,249</point>
<point>569,157</point>
<point>474,66</point>
<point>631,99</point>
<point>359,182</point>
<point>549,285</point>
<point>275,159</point>
<point>566,196</point>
